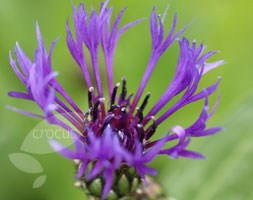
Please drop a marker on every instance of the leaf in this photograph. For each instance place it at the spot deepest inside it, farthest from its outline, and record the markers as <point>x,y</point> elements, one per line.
<point>39,181</point>
<point>25,163</point>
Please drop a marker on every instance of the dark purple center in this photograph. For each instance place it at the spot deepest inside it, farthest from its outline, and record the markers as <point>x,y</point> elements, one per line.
<point>126,125</point>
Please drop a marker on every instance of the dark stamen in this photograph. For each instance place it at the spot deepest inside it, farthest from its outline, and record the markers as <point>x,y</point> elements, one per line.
<point>145,102</point>
<point>95,109</point>
<point>152,129</point>
<point>91,89</point>
<point>141,132</point>
<point>85,121</point>
<point>86,115</point>
<point>140,114</point>
<point>120,135</point>
<point>124,89</point>
<point>107,121</point>
<point>113,97</point>
<point>113,107</point>
<point>123,110</point>
<point>85,128</point>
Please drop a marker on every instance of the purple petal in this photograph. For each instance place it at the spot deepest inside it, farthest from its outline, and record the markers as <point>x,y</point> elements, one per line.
<point>20,95</point>
<point>210,66</point>
<point>108,176</point>
<point>96,169</point>
<point>63,150</point>
<point>16,70</point>
<point>205,92</point>
<point>206,132</point>
<point>81,169</point>
<point>191,154</point>
<point>23,60</point>
<point>154,150</point>
<point>23,112</point>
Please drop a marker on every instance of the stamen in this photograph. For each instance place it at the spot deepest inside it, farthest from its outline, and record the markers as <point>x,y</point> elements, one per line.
<point>86,115</point>
<point>91,89</point>
<point>140,114</point>
<point>113,107</point>
<point>141,132</point>
<point>120,134</point>
<point>85,127</point>
<point>95,109</point>
<point>145,102</point>
<point>123,110</point>
<point>152,129</point>
<point>107,121</point>
<point>124,89</point>
<point>85,121</point>
<point>113,97</point>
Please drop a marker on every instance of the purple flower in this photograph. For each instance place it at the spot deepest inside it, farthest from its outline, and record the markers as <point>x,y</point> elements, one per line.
<point>120,134</point>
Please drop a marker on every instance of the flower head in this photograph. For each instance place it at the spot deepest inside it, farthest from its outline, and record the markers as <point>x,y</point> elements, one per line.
<point>120,134</point>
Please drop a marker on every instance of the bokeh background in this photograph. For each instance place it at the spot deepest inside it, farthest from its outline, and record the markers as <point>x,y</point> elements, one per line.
<point>224,25</point>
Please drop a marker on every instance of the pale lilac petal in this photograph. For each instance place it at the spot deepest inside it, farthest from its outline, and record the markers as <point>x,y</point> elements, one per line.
<point>16,70</point>
<point>210,66</point>
<point>23,112</point>
<point>23,60</point>
<point>64,151</point>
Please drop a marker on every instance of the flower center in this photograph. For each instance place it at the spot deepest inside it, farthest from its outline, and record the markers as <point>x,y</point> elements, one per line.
<point>126,125</point>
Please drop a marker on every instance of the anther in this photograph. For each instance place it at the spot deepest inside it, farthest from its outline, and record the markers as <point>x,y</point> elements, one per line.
<point>120,134</point>
<point>86,115</point>
<point>95,109</point>
<point>152,129</point>
<point>102,100</point>
<point>113,97</point>
<point>107,121</point>
<point>154,126</point>
<point>91,89</point>
<point>85,128</point>
<point>140,114</point>
<point>113,107</point>
<point>145,102</point>
<point>141,132</point>
<point>85,121</point>
<point>124,89</point>
<point>123,110</point>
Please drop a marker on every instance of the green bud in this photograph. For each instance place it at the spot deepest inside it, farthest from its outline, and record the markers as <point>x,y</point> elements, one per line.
<point>126,198</point>
<point>95,187</point>
<point>112,195</point>
<point>123,185</point>
<point>135,185</point>
<point>131,172</point>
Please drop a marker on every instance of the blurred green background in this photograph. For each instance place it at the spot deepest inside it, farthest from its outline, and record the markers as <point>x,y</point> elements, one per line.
<point>224,25</point>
